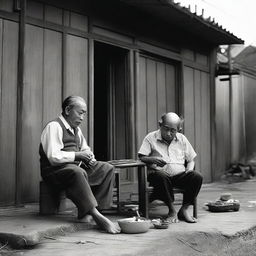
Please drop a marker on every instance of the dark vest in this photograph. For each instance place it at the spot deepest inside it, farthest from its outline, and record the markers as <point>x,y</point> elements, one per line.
<point>70,142</point>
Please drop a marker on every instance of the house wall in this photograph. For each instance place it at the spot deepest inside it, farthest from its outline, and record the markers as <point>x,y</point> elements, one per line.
<point>223,127</point>
<point>230,122</point>
<point>58,61</point>
<point>156,94</point>
<point>197,103</point>
<point>8,109</point>
<point>238,129</point>
<point>248,83</point>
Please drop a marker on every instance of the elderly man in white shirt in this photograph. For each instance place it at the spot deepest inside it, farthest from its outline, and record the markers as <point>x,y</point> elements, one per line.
<point>166,151</point>
<point>67,163</point>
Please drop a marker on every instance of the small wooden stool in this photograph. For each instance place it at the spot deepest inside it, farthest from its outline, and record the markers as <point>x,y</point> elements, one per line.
<point>51,201</point>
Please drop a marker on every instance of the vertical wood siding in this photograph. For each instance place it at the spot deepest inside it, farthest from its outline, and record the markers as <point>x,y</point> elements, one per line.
<point>197,117</point>
<point>8,105</point>
<point>43,93</point>
<point>52,75</point>
<point>56,65</point>
<point>155,94</point>
<point>223,155</point>
<point>32,116</point>
<point>250,120</point>
<point>238,145</point>
<point>76,70</point>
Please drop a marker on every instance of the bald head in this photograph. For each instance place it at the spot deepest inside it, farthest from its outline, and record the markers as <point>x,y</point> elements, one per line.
<point>170,119</point>
<point>170,124</point>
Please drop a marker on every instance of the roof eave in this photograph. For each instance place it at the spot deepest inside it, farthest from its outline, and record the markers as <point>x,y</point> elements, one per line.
<point>172,13</point>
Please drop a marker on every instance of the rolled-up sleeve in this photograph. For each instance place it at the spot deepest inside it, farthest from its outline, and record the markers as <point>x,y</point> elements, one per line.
<point>190,153</point>
<point>145,148</point>
<point>51,140</point>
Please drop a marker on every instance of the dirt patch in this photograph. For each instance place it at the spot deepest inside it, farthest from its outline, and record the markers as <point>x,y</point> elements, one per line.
<point>206,244</point>
<point>209,244</point>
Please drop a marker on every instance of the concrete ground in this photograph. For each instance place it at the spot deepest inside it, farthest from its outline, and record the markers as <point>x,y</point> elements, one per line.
<point>229,233</point>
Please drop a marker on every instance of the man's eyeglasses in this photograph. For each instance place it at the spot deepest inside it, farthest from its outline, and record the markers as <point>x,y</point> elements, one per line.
<point>168,129</point>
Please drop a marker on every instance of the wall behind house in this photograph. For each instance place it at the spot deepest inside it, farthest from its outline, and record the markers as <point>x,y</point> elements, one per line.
<point>223,127</point>
<point>55,66</point>
<point>197,125</point>
<point>8,108</point>
<point>248,83</point>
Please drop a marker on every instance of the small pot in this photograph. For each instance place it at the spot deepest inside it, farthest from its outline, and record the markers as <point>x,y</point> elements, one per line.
<point>134,225</point>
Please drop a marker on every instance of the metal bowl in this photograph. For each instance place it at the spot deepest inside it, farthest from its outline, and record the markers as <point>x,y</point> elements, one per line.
<point>134,225</point>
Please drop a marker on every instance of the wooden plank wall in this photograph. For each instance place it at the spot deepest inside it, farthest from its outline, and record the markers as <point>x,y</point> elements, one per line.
<point>76,70</point>
<point>250,120</point>
<point>156,94</point>
<point>223,127</point>
<point>238,133</point>
<point>56,65</point>
<point>197,125</point>
<point>8,109</point>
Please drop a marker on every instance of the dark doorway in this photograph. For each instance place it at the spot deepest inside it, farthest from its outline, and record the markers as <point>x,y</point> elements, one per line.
<point>110,107</point>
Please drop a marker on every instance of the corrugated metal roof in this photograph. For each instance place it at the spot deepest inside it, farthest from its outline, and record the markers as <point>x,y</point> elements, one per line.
<point>174,14</point>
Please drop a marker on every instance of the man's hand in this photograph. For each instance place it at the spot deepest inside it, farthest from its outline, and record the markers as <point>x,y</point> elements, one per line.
<point>159,161</point>
<point>190,166</point>
<point>84,156</point>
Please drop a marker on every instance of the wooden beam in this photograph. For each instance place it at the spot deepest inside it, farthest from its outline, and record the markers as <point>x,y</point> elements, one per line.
<point>91,94</point>
<point>213,61</point>
<point>20,86</point>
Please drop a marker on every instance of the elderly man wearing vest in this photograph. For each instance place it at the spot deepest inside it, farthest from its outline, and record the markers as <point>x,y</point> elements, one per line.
<point>67,163</point>
<point>165,151</point>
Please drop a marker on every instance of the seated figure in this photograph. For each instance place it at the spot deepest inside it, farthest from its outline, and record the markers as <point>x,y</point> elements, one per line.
<point>165,152</point>
<point>67,163</point>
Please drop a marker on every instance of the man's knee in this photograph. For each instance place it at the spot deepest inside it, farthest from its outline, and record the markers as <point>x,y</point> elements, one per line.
<point>107,168</point>
<point>158,176</point>
<point>198,177</point>
<point>78,172</point>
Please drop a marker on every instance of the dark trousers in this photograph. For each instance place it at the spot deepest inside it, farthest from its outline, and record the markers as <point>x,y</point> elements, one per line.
<point>163,185</point>
<point>87,187</point>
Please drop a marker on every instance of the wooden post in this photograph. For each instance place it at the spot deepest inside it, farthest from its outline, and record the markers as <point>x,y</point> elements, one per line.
<point>130,104</point>
<point>213,56</point>
<point>20,86</point>
<point>136,85</point>
<point>91,95</point>
<point>143,193</point>
<point>230,104</point>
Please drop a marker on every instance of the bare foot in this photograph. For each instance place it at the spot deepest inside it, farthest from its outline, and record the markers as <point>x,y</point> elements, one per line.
<point>172,218</point>
<point>86,219</point>
<point>104,223</point>
<point>183,215</point>
<point>172,215</point>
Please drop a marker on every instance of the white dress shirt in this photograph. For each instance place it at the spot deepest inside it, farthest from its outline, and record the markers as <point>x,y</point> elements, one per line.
<point>174,154</point>
<point>52,142</point>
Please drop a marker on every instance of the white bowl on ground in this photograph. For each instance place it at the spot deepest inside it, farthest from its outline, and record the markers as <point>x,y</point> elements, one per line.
<point>134,225</point>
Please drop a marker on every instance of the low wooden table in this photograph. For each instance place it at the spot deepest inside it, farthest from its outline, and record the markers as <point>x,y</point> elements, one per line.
<point>143,188</point>
<point>142,178</point>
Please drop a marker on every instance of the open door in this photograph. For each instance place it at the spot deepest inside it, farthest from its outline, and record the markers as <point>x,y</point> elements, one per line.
<point>110,102</point>
<point>112,136</point>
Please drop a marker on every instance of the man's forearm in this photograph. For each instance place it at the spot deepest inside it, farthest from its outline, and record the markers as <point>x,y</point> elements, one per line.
<point>190,166</point>
<point>146,159</point>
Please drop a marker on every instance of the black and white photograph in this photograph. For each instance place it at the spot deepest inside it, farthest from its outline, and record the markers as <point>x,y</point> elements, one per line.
<point>127,128</point>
